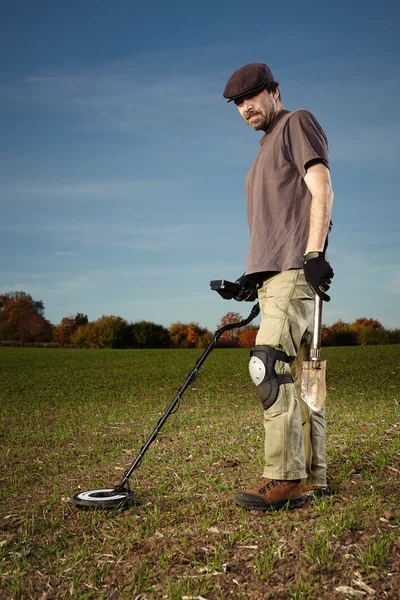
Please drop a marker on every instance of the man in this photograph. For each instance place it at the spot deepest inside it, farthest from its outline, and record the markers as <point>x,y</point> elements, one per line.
<point>289,201</point>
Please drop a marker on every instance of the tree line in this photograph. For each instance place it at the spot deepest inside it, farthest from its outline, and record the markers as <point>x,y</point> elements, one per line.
<point>22,322</point>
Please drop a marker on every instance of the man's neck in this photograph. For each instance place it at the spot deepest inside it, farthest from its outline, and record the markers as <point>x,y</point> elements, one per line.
<point>279,109</point>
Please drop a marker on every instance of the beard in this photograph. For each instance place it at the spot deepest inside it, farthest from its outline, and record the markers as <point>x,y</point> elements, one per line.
<point>260,117</point>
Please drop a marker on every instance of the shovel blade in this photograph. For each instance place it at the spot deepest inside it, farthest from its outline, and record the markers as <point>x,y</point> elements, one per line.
<point>313,385</point>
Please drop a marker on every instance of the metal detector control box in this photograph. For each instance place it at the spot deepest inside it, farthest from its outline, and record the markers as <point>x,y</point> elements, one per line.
<point>225,288</point>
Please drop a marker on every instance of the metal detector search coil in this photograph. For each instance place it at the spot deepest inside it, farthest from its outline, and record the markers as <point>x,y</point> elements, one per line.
<point>121,495</point>
<point>106,497</point>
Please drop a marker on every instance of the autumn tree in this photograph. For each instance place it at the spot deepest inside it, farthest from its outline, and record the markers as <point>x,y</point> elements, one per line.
<point>337,334</point>
<point>23,299</point>
<point>64,331</point>
<point>362,332</point>
<point>189,335</point>
<point>247,336</point>
<point>22,319</point>
<point>367,331</point>
<point>68,326</point>
<point>85,336</point>
<point>178,334</point>
<point>192,335</point>
<point>230,337</point>
<point>111,332</point>
<point>116,332</point>
<point>107,332</point>
<point>196,336</point>
<point>205,339</point>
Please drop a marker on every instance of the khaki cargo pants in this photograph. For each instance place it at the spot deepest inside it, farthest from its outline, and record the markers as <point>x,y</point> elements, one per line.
<point>294,434</point>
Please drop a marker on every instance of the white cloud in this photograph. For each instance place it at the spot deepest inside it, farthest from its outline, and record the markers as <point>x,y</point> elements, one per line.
<point>140,231</point>
<point>78,283</point>
<point>139,97</point>
<point>122,95</point>
<point>86,189</point>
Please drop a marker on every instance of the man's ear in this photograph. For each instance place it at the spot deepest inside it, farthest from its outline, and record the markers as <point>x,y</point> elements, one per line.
<point>276,94</point>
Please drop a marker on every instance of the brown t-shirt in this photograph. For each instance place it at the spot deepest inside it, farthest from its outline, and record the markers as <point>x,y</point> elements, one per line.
<point>278,200</point>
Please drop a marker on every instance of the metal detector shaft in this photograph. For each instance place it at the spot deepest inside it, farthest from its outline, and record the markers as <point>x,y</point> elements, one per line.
<point>189,379</point>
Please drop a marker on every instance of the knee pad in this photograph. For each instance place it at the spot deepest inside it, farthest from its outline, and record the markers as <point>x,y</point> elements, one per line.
<point>262,372</point>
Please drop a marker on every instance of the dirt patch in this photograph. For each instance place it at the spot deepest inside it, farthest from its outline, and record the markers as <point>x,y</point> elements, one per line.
<point>179,545</point>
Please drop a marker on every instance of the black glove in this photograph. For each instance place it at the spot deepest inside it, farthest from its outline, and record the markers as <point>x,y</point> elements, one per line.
<point>248,289</point>
<point>318,273</point>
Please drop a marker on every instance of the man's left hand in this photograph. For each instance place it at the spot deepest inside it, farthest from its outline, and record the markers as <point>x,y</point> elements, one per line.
<point>318,273</point>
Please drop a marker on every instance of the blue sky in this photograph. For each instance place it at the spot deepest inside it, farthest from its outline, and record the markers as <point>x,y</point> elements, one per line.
<point>121,187</point>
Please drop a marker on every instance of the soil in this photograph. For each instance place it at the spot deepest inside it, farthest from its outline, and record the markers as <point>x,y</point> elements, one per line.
<point>186,560</point>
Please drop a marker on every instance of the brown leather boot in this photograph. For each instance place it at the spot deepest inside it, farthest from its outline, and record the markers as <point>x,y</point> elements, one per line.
<point>272,494</point>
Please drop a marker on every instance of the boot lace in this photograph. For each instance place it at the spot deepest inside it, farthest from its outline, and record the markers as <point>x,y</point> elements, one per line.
<point>271,483</point>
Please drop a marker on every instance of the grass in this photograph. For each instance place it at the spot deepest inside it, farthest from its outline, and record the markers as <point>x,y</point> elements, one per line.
<point>75,419</point>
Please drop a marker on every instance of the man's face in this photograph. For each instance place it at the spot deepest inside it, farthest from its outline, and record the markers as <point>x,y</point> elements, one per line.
<point>259,110</point>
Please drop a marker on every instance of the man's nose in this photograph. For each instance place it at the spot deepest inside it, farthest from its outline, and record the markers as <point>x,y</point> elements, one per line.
<point>248,104</point>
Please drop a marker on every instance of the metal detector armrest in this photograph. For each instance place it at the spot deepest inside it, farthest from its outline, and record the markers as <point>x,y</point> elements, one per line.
<point>225,288</point>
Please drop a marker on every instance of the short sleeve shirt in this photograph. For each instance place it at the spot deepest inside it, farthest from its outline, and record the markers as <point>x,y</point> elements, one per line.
<point>278,199</point>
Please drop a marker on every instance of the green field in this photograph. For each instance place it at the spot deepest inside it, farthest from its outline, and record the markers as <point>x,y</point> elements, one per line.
<point>75,419</point>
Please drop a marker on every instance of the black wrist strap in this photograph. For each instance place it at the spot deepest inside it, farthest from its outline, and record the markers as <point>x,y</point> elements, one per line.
<point>313,254</point>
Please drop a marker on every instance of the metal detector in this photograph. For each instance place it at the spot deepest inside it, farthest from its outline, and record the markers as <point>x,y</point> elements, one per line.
<point>121,495</point>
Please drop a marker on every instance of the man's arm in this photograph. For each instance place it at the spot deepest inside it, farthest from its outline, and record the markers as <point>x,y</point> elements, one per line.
<point>318,181</point>
<point>317,270</point>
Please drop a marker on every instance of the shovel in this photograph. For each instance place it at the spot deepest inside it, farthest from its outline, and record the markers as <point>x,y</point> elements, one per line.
<point>313,385</point>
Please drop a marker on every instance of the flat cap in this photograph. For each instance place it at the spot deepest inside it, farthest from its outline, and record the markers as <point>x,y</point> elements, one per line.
<point>246,80</point>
